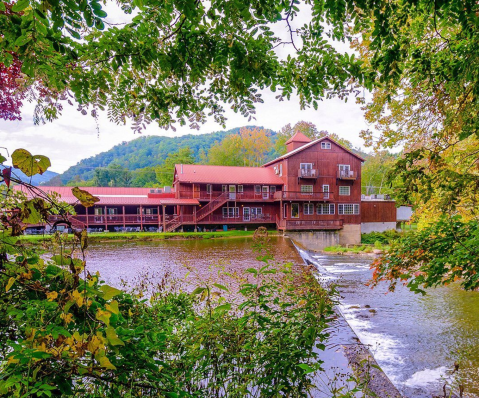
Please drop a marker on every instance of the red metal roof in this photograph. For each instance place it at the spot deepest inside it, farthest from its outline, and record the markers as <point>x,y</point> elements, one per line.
<point>173,201</point>
<point>310,144</point>
<point>298,137</point>
<point>107,195</point>
<point>194,173</point>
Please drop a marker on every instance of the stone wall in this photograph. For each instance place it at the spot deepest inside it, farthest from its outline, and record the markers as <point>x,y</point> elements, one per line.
<point>350,234</point>
<point>314,240</point>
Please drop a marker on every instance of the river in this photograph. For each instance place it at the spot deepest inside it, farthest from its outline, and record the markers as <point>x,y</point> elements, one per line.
<point>415,339</point>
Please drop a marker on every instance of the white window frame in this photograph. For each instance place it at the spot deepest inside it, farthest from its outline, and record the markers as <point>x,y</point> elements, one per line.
<point>257,189</point>
<point>224,188</point>
<point>344,190</point>
<point>240,189</point>
<point>256,211</point>
<point>230,212</point>
<point>208,188</point>
<point>326,145</point>
<point>272,189</point>
<point>308,209</point>
<point>348,209</point>
<point>98,211</point>
<point>306,166</point>
<point>325,208</point>
<point>294,204</point>
<point>306,191</point>
<point>112,211</point>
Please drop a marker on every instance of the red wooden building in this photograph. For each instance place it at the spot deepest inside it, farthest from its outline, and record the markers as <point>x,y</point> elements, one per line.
<point>316,185</point>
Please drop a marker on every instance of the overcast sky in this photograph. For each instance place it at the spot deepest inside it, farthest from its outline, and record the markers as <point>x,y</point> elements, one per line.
<point>74,137</point>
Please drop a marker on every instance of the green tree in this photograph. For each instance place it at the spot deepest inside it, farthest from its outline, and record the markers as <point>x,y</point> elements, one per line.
<point>375,172</point>
<point>145,177</point>
<point>164,172</point>
<point>248,148</point>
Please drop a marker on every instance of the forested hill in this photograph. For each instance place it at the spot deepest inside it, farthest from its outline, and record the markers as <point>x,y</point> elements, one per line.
<point>143,152</point>
<point>37,179</point>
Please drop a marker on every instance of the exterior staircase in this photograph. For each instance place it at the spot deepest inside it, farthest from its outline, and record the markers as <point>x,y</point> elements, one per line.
<point>212,206</point>
<point>200,214</point>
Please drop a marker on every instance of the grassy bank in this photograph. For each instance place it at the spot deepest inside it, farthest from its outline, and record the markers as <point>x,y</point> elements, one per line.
<point>149,236</point>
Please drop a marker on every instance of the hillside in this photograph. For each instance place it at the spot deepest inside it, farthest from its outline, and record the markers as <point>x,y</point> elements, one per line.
<point>36,180</point>
<point>144,152</point>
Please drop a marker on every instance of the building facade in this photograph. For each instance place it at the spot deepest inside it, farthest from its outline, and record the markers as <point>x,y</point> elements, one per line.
<point>315,186</point>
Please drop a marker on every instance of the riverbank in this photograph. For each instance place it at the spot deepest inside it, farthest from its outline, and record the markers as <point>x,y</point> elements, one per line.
<point>148,236</point>
<point>368,250</point>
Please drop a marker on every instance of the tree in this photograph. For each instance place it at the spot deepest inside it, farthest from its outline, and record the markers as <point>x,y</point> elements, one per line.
<point>164,172</point>
<point>178,61</point>
<point>112,176</point>
<point>375,173</point>
<point>248,148</point>
<point>145,177</point>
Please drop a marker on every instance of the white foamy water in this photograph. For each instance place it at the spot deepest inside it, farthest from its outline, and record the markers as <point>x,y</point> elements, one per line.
<point>425,377</point>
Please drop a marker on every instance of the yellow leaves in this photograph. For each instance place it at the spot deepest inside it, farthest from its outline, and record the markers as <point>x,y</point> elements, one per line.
<point>85,198</point>
<point>109,292</point>
<point>96,343</point>
<point>10,283</point>
<point>113,307</point>
<point>105,363</point>
<point>67,318</point>
<point>52,296</point>
<point>113,337</point>
<point>103,316</point>
<point>28,163</point>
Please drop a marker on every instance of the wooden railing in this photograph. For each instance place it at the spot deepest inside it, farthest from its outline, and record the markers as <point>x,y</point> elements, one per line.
<point>308,173</point>
<point>219,219</point>
<point>290,195</point>
<point>347,175</point>
<point>312,224</point>
<point>212,206</point>
<point>238,196</point>
<point>118,219</point>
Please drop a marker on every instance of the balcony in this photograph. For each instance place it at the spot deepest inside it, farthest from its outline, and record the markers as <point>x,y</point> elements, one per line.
<point>308,173</point>
<point>238,196</point>
<point>347,175</point>
<point>309,224</point>
<point>312,196</point>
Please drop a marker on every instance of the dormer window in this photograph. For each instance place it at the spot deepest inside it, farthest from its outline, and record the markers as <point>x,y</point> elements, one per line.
<point>326,145</point>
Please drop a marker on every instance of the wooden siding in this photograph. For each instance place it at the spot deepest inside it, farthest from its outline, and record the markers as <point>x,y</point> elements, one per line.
<point>378,211</point>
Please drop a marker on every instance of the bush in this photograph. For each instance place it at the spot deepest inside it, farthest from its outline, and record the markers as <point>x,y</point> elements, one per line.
<point>386,237</point>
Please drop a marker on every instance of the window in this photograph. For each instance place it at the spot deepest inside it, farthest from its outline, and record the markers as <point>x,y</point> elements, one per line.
<point>150,211</point>
<point>307,189</point>
<point>98,211</point>
<point>326,145</point>
<point>112,211</point>
<point>281,169</point>
<point>224,188</point>
<point>325,208</point>
<point>230,212</point>
<point>285,210</point>
<point>208,188</point>
<point>345,170</point>
<point>308,209</point>
<point>240,188</point>
<point>257,189</point>
<point>272,189</point>
<point>348,208</point>
<point>344,190</point>
<point>256,211</point>
<point>325,188</point>
<point>306,166</point>
<point>294,210</point>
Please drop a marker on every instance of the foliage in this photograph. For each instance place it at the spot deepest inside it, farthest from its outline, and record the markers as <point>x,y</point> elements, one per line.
<point>442,253</point>
<point>385,237</point>
<point>175,62</point>
<point>10,97</point>
<point>375,174</point>
<point>165,172</point>
<point>143,153</point>
<point>248,148</point>
<point>112,176</point>
<point>428,102</point>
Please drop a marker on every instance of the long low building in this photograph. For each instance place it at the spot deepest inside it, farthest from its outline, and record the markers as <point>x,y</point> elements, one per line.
<point>315,186</point>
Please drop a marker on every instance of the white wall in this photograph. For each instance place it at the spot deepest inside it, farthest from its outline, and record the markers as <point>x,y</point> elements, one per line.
<point>404,213</point>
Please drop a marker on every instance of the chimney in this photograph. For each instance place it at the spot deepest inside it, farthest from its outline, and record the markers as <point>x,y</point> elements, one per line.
<point>297,141</point>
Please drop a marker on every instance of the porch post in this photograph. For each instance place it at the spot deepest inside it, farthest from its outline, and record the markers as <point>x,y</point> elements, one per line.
<point>141,217</point>
<point>124,224</point>
<point>159,219</point>
<point>86,209</point>
<point>106,219</point>
<point>164,219</point>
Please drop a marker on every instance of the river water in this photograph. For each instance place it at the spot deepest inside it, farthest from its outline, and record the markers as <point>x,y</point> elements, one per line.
<point>415,339</point>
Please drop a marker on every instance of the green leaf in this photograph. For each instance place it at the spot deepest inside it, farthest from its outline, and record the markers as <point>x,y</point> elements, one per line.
<point>252,271</point>
<point>109,292</point>
<point>74,33</point>
<point>2,158</point>
<point>113,337</point>
<point>223,307</point>
<point>2,6</point>
<point>99,13</point>
<point>306,368</point>
<point>85,198</point>
<point>221,287</point>
<point>20,5</point>
<point>22,40</point>
<point>105,363</point>
<point>28,163</point>
<point>198,290</point>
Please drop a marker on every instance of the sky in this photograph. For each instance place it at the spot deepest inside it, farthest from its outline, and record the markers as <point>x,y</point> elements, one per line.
<point>73,137</point>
